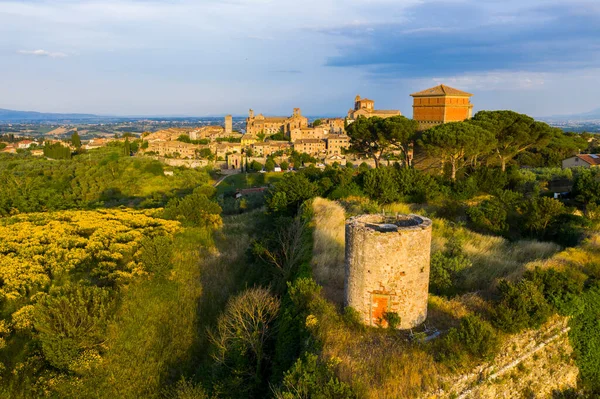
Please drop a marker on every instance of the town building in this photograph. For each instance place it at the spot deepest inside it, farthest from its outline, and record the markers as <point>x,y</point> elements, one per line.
<point>312,147</point>
<point>318,132</point>
<point>269,147</point>
<point>9,149</point>
<point>441,104</point>
<point>270,125</point>
<point>582,160</point>
<point>337,143</point>
<point>221,150</point>
<point>336,125</point>
<point>176,149</point>
<point>366,108</point>
<point>24,144</point>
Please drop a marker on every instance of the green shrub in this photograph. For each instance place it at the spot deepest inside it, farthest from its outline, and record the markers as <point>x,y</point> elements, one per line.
<point>585,339</point>
<point>156,255</point>
<point>70,320</point>
<point>586,187</point>
<point>256,166</point>
<point>474,340</point>
<point>289,193</point>
<point>444,272</point>
<point>561,289</point>
<point>521,306</point>
<point>311,378</point>
<point>195,209</point>
<point>393,319</point>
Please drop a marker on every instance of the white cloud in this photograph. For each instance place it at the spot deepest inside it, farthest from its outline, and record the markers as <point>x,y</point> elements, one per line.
<point>43,53</point>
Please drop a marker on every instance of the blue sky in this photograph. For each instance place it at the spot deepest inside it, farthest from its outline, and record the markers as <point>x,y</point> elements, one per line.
<point>212,57</point>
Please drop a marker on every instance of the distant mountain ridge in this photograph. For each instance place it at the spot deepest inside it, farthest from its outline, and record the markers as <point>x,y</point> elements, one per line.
<point>591,115</point>
<point>7,115</point>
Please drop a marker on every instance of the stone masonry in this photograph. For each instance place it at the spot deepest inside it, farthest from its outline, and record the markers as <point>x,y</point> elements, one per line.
<point>387,267</point>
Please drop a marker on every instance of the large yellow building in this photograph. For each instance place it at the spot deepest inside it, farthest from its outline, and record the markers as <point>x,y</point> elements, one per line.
<point>441,104</point>
<point>366,108</point>
<point>274,124</point>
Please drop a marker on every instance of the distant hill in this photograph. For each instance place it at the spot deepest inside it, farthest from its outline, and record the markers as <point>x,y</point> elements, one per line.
<point>7,115</point>
<point>591,115</point>
<point>12,115</point>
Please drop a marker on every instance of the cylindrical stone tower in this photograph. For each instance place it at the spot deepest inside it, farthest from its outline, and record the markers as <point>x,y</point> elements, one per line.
<point>387,268</point>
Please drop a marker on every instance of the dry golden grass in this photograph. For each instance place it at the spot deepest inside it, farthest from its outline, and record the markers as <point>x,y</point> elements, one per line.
<point>584,258</point>
<point>377,363</point>
<point>328,248</point>
<point>492,257</point>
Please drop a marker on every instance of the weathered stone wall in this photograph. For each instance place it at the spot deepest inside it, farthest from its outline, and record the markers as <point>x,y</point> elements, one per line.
<point>387,267</point>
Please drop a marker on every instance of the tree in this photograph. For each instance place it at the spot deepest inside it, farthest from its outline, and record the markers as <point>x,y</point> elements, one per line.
<point>284,166</point>
<point>539,212</point>
<point>317,122</point>
<point>256,166</point>
<point>76,140</point>
<point>195,209</point>
<point>270,165</point>
<point>375,137</point>
<point>290,192</point>
<point>127,147</point>
<point>261,136</point>
<point>240,337</point>
<point>206,153</point>
<point>184,138</point>
<point>457,143</point>
<point>514,132</point>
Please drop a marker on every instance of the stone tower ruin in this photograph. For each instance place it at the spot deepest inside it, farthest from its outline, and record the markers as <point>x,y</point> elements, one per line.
<point>387,268</point>
<point>228,124</point>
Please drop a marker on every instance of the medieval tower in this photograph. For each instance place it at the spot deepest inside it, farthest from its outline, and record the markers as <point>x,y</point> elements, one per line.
<point>387,268</point>
<point>228,124</point>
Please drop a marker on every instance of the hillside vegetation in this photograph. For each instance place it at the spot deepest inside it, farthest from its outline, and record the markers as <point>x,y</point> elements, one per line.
<point>119,281</point>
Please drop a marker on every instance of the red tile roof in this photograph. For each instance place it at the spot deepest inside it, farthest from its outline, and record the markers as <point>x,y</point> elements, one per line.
<point>592,159</point>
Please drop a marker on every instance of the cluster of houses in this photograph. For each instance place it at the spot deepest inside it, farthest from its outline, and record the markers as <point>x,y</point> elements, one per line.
<point>325,140</point>
<point>278,136</point>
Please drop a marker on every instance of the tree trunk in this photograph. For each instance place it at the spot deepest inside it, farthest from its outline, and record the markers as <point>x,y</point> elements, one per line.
<point>453,176</point>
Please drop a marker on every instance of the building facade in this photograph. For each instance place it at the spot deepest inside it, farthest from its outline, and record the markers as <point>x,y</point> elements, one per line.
<point>270,125</point>
<point>441,104</point>
<point>337,143</point>
<point>582,160</point>
<point>312,147</point>
<point>366,108</point>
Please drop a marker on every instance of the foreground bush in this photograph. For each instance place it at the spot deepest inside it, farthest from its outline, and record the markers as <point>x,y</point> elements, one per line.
<point>521,306</point>
<point>474,340</point>
<point>71,320</point>
<point>310,378</point>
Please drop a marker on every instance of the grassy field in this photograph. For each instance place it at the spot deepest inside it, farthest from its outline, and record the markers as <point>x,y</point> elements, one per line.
<point>247,180</point>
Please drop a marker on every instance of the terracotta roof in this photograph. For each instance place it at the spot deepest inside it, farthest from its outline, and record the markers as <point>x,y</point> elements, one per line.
<point>441,90</point>
<point>592,159</point>
<point>306,141</point>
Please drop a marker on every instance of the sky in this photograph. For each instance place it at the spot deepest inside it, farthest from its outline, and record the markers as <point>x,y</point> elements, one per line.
<point>213,57</point>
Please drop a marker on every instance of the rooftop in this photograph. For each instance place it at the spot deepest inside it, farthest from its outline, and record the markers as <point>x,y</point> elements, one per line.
<point>441,90</point>
<point>592,159</point>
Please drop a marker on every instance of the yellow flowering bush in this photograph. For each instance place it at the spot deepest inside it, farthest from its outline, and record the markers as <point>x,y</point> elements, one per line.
<point>38,247</point>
